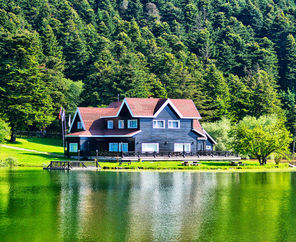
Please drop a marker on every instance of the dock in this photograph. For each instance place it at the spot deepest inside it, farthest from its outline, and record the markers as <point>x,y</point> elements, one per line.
<point>93,162</point>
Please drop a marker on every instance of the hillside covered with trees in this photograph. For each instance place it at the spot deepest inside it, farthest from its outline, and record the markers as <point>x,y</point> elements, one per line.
<point>233,58</point>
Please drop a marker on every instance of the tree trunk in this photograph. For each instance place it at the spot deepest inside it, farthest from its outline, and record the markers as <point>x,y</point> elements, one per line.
<point>12,135</point>
<point>260,162</point>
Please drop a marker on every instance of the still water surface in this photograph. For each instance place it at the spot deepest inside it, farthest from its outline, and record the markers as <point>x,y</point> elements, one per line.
<point>38,205</point>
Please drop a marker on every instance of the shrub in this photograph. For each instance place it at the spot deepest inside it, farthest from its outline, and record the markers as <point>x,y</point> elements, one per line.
<point>9,162</point>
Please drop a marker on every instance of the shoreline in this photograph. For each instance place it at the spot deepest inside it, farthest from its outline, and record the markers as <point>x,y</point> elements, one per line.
<point>231,170</point>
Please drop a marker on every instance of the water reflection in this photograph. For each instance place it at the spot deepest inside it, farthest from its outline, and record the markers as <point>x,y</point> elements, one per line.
<point>146,206</point>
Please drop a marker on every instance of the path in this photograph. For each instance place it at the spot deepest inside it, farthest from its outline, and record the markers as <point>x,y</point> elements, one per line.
<point>34,151</point>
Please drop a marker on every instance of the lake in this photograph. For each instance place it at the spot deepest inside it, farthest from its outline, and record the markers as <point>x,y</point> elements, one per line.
<point>37,205</point>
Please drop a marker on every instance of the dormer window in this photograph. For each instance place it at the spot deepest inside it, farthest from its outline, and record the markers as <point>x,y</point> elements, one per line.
<point>121,124</point>
<point>110,124</point>
<point>174,124</point>
<point>158,124</point>
<point>79,125</point>
<point>132,124</point>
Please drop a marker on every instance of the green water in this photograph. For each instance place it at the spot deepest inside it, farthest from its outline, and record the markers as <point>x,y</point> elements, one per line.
<point>38,205</point>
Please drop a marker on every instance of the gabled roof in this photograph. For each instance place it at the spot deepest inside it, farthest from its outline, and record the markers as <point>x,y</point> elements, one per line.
<point>196,127</point>
<point>151,107</point>
<point>88,115</point>
<point>94,125</point>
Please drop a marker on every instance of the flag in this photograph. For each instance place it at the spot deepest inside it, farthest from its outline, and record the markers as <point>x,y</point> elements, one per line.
<point>60,113</point>
<point>69,123</point>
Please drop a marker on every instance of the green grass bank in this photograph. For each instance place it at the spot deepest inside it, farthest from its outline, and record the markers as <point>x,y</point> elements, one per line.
<point>54,148</point>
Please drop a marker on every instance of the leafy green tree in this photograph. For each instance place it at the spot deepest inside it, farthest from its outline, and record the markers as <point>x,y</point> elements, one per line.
<point>4,130</point>
<point>219,130</point>
<point>259,138</point>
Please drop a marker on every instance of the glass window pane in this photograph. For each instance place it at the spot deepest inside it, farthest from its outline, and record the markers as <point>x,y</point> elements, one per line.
<point>121,124</point>
<point>113,147</point>
<point>123,147</point>
<point>174,124</point>
<point>73,147</point>
<point>110,124</point>
<point>178,147</point>
<point>132,123</point>
<point>149,147</point>
<point>158,123</point>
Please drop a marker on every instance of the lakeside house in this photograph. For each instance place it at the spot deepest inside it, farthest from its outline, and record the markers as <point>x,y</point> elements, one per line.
<point>144,125</point>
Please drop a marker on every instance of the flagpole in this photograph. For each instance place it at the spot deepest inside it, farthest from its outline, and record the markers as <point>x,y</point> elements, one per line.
<point>63,134</point>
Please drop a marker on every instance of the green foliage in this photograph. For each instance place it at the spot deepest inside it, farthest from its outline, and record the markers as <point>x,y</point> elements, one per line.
<point>261,137</point>
<point>230,57</point>
<point>4,131</point>
<point>9,162</point>
<point>219,130</point>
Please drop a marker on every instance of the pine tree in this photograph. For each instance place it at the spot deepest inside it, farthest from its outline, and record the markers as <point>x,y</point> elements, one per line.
<point>289,75</point>
<point>24,99</point>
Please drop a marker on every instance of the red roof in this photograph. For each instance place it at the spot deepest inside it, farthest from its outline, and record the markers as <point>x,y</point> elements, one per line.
<point>197,126</point>
<point>149,106</point>
<point>143,107</point>
<point>102,132</point>
<point>89,115</point>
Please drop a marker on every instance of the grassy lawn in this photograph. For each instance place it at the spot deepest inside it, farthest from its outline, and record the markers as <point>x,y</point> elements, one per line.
<point>27,159</point>
<point>40,144</point>
<point>31,159</point>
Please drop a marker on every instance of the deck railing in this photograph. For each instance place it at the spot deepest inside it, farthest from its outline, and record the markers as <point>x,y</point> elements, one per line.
<point>168,154</point>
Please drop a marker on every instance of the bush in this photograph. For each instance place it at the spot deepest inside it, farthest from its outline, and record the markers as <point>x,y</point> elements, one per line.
<point>9,162</point>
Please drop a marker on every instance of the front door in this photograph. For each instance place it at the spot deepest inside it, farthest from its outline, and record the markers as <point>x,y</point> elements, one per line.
<point>200,146</point>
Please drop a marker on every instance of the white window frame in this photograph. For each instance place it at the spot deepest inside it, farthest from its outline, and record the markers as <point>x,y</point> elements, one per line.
<point>157,145</point>
<point>121,122</point>
<point>79,125</point>
<point>173,121</point>
<point>187,151</point>
<point>155,125</point>
<point>71,147</point>
<point>110,122</point>
<point>129,123</point>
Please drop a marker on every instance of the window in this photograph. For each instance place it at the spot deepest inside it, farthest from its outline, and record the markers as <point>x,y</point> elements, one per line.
<point>110,124</point>
<point>118,147</point>
<point>123,147</point>
<point>173,124</point>
<point>150,147</point>
<point>180,147</point>
<point>73,147</point>
<point>113,147</point>
<point>79,125</point>
<point>158,124</point>
<point>208,147</point>
<point>132,124</point>
<point>121,124</point>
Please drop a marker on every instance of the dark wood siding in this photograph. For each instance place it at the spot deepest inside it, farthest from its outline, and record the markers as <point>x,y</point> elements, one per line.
<point>166,137</point>
<point>74,127</point>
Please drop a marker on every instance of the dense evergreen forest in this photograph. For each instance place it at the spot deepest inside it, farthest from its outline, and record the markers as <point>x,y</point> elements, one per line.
<point>233,58</point>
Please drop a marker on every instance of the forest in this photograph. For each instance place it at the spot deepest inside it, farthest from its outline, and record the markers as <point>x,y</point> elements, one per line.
<point>232,58</point>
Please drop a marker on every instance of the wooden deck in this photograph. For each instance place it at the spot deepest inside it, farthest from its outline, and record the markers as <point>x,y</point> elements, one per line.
<point>136,157</point>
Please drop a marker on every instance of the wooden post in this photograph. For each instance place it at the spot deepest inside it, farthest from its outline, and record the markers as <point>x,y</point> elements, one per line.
<point>97,158</point>
<point>78,155</point>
